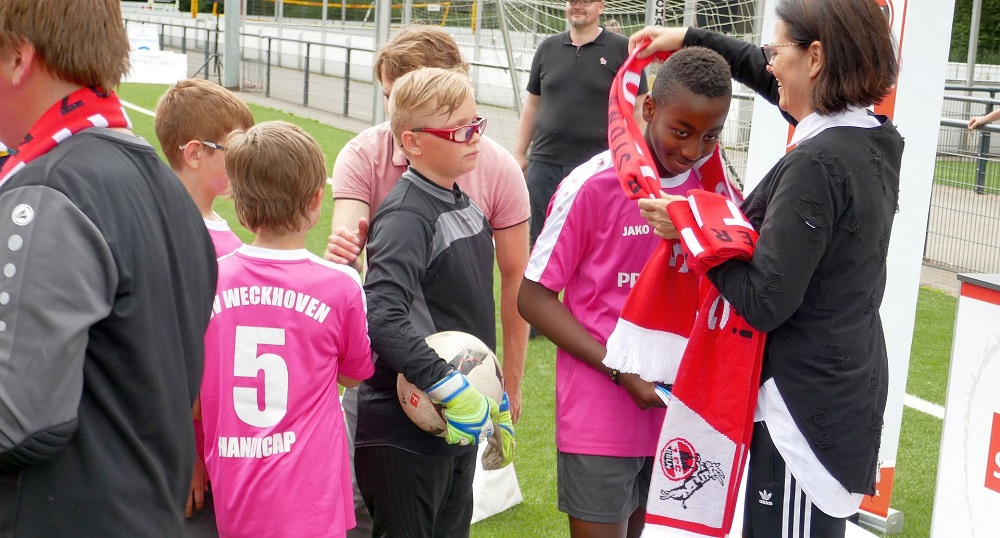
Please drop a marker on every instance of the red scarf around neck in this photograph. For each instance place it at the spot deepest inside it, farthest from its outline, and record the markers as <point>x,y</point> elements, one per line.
<point>82,109</point>
<point>633,161</point>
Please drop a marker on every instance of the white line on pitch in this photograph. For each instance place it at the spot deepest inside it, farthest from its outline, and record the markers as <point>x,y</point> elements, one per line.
<point>152,114</point>
<point>932,409</point>
<point>139,109</point>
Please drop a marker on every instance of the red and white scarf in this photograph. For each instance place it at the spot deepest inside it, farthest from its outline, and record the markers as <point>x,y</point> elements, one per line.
<point>651,333</point>
<point>713,230</point>
<point>82,109</point>
<point>706,430</point>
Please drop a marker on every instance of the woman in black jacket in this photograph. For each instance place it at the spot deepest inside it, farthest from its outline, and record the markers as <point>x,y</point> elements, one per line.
<point>816,281</point>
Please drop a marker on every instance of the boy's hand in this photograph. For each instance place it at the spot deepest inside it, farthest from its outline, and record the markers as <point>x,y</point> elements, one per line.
<point>344,246</point>
<point>500,451</point>
<point>199,483</point>
<point>643,393</point>
<point>654,210</point>
<point>466,411</point>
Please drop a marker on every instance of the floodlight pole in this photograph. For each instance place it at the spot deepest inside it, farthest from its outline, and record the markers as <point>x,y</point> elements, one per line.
<point>502,12</point>
<point>977,9</point>
<point>231,67</point>
<point>970,66</point>
<point>383,16</point>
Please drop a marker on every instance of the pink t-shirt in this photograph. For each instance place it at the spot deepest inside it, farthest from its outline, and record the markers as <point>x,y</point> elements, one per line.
<point>284,325</point>
<point>225,241</point>
<point>593,246</point>
<point>223,238</point>
<point>371,163</point>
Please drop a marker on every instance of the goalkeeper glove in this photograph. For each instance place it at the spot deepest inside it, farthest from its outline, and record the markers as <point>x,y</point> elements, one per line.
<point>466,411</point>
<point>500,451</point>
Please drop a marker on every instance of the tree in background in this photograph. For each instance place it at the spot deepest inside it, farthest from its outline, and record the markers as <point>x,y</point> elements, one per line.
<point>988,51</point>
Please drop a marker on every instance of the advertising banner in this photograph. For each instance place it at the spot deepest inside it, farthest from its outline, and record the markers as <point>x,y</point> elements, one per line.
<point>967,496</point>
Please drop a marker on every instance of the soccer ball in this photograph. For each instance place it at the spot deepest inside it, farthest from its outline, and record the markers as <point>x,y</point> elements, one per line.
<point>470,356</point>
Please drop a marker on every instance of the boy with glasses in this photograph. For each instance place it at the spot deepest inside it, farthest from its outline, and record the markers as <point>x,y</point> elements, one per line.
<point>370,165</point>
<point>430,269</point>
<point>192,118</point>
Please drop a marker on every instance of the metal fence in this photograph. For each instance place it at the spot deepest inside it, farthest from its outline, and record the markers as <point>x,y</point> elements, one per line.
<point>963,225</point>
<point>963,229</point>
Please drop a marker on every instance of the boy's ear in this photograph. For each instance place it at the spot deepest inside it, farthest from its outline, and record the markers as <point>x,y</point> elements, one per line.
<point>20,59</point>
<point>648,108</point>
<point>408,141</point>
<point>317,200</point>
<point>192,155</point>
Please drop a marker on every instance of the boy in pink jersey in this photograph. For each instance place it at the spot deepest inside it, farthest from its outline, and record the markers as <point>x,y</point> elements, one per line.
<point>286,327</point>
<point>193,117</point>
<point>593,246</point>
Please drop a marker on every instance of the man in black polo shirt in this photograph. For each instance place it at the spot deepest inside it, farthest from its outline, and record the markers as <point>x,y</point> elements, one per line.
<point>565,116</point>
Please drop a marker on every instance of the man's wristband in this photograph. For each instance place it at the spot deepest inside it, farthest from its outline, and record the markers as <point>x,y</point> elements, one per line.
<point>614,376</point>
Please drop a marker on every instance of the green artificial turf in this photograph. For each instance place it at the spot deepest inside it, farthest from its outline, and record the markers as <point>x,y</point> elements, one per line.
<point>931,350</point>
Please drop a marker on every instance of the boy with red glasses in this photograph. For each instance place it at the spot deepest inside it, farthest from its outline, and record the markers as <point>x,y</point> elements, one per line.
<point>430,269</point>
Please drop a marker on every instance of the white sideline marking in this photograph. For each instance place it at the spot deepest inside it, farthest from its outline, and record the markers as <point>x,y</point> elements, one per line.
<point>932,409</point>
<point>138,108</point>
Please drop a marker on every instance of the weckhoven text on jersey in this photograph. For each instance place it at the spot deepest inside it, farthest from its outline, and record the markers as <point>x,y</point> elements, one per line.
<point>271,296</point>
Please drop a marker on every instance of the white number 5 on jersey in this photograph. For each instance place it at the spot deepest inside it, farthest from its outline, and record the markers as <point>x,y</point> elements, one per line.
<point>247,363</point>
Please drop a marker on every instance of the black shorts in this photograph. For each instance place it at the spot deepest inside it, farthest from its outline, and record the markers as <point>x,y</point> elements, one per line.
<point>602,489</point>
<point>408,494</point>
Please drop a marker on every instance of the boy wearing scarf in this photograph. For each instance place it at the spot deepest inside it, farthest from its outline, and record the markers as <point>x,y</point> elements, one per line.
<point>108,280</point>
<point>593,245</point>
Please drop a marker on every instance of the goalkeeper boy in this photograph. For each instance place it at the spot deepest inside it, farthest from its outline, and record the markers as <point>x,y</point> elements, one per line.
<point>430,269</point>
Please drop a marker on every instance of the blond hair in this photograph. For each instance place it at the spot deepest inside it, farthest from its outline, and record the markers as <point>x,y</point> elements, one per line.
<point>82,42</point>
<point>197,109</point>
<point>415,47</point>
<point>275,169</point>
<point>429,91</point>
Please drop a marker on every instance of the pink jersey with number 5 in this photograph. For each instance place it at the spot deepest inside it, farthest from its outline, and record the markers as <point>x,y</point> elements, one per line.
<point>284,325</point>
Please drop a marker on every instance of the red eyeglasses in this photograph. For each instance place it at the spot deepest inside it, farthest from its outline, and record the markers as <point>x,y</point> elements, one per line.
<point>460,134</point>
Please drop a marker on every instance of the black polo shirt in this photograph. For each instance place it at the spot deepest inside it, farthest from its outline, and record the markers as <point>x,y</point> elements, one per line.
<point>574,83</point>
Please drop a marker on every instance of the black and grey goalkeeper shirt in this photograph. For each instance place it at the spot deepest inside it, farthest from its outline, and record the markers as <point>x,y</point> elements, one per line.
<point>430,269</point>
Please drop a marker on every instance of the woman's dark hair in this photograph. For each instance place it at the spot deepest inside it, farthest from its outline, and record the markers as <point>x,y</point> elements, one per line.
<point>859,52</point>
